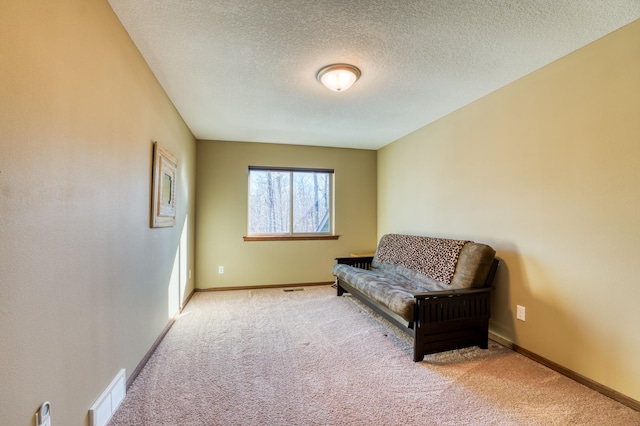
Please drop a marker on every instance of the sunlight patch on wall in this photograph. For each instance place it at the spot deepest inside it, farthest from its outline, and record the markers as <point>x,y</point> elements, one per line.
<point>179,273</point>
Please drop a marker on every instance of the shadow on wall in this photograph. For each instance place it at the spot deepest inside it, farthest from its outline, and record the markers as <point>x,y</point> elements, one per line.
<point>554,327</point>
<point>509,284</point>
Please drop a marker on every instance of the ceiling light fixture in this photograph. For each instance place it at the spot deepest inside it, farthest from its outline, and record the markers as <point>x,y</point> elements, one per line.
<point>338,77</point>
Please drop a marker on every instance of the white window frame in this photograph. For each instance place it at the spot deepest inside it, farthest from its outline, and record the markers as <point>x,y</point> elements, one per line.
<point>291,235</point>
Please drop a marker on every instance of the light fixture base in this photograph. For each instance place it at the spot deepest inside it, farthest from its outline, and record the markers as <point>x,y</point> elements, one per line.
<point>338,77</point>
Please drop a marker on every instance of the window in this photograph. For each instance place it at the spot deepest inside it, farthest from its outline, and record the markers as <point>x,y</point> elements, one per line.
<point>290,202</point>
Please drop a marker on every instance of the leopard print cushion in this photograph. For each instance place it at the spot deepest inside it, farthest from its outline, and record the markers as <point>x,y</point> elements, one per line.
<point>434,257</point>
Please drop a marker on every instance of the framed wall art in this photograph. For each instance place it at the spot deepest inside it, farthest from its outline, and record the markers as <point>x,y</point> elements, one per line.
<point>163,202</point>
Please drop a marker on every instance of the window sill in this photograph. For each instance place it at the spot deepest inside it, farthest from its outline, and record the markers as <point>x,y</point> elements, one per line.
<point>291,238</point>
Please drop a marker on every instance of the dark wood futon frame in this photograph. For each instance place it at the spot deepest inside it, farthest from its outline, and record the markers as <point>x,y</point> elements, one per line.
<point>442,320</point>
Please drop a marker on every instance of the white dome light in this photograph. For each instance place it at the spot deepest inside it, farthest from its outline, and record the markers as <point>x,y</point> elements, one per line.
<point>338,77</point>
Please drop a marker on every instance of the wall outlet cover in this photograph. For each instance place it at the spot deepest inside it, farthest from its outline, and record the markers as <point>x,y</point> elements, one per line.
<point>520,312</point>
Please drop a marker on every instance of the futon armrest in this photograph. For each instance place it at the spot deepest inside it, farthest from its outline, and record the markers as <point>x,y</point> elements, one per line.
<point>451,293</point>
<point>363,262</point>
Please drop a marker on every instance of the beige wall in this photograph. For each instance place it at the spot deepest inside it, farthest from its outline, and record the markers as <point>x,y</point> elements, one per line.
<point>547,171</point>
<point>221,214</point>
<point>85,285</point>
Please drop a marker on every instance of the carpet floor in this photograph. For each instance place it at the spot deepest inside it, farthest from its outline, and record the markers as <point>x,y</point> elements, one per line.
<point>275,357</point>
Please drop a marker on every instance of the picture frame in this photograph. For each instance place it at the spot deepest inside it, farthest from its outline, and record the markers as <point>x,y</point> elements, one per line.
<point>163,202</point>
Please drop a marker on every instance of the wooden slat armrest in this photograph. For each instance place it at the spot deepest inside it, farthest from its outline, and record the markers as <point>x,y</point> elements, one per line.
<point>451,293</point>
<point>353,260</point>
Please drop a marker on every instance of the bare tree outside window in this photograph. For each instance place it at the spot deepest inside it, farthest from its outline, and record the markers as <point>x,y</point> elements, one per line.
<point>289,202</point>
<point>311,202</point>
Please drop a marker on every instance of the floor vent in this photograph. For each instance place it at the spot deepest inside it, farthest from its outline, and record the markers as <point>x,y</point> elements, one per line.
<point>293,289</point>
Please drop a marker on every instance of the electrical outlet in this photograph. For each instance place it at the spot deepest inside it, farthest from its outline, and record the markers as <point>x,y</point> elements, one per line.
<point>221,269</point>
<point>520,312</point>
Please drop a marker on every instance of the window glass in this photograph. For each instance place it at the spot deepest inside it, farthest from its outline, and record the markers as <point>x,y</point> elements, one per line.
<point>311,202</point>
<point>289,201</point>
<point>269,202</point>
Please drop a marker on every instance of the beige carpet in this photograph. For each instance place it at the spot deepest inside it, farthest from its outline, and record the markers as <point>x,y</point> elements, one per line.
<point>270,357</point>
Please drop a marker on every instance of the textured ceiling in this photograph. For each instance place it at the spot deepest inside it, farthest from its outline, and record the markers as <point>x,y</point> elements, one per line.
<point>241,70</point>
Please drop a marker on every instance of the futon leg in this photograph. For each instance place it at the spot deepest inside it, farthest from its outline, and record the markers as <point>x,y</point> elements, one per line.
<point>484,339</point>
<point>418,342</point>
<point>484,343</point>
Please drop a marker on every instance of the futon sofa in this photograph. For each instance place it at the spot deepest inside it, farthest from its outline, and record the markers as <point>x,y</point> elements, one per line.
<point>434,289</point>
